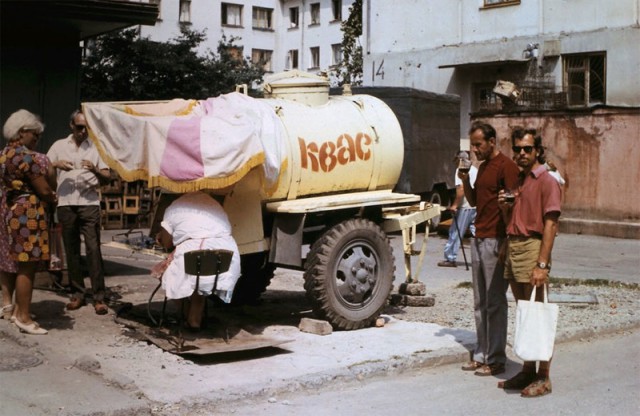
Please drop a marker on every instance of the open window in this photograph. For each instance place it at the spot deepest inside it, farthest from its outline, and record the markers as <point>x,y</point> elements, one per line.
<point>292,59</point>
<point>336,9</point>
<point>262,58</point>
<point>294,17</point>
<point>315,14</point>
<point>314,61</point>
<point>585,79</point>
<point>336,54</point>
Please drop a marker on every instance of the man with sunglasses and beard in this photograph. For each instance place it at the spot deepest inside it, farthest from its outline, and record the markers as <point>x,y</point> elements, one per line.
<point>490,306</point>
<point>80,172</point>
<point>532,227</point>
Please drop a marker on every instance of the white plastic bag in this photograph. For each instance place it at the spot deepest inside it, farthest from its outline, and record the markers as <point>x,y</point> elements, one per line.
<point>536,324</point>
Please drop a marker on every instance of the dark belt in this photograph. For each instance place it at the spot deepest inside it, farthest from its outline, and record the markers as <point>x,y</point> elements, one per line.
<point>524,237</point>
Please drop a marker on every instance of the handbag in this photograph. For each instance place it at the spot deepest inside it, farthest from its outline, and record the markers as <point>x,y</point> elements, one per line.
<point>57,259</point>
<point>536,324</point>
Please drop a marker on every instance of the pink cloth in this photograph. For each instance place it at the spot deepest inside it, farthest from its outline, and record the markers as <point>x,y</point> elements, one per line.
<point>539,194</point>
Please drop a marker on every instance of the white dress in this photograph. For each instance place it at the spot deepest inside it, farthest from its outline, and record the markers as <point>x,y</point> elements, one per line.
<point>196,221</point>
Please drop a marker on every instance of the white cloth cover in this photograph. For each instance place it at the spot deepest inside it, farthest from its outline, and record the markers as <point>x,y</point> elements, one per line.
<point>535,332</point>
<point>196,221</point>
<point>189,145</point>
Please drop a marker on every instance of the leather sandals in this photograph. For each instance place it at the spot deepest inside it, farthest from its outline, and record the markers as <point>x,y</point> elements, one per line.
<point>490,370</point>
<point>472,366</point>
<point>75,303</point>
<point>101,308</point>
<point>539,387</point>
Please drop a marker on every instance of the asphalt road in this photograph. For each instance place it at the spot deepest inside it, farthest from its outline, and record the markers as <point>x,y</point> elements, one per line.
<point>88,365</point>
<point>596,377</point>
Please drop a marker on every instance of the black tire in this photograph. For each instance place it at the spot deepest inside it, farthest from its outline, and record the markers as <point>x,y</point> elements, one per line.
<point>254,280</point>
<point>349,274</point>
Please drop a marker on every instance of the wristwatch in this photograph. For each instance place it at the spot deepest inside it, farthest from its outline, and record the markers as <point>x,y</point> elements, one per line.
<point>542,265</point>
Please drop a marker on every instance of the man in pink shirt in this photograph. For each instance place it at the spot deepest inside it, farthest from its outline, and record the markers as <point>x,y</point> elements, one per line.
<point>532,227</point>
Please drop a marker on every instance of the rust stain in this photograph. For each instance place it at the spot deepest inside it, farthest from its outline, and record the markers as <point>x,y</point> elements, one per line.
<point>597,154</point>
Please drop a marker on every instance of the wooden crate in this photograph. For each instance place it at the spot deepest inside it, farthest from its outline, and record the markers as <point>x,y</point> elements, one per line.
<point>113,221</point>
<point>130,204</point>
<point>113,204</point>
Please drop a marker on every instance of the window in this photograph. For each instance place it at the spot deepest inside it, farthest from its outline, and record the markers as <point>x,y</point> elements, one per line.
<point>336,54</point>
<point>484,99</point>
<point>159,4</point>
<point>315,57</point>
<point>185,11</point>
<point>294,13</point>
<point>584,79</point>
<point>292,59</point>
<point>499,2</point>
<point>262,18</point>
<point>231,14</point>
<point>262,58</point>
<point>336,8</point>
<point>315,14</point>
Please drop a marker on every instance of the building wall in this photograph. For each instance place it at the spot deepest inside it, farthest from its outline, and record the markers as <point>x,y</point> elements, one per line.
<point>406,46</point>
<point>206,15</point>
<point>450,46</point>
<point>597,154</point>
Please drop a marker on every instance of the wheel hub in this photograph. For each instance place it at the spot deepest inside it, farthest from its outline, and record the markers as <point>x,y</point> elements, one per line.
<point>361,278</point>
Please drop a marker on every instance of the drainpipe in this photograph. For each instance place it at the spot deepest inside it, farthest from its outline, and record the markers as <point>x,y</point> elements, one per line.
<point>367,22</point>
<point>302,30</point>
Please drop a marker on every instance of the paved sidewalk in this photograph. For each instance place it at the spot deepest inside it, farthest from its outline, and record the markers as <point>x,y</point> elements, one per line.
<point>87,365</point>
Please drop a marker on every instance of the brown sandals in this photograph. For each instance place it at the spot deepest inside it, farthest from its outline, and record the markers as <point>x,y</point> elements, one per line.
<point>539,387</point>
<point>490,370</point>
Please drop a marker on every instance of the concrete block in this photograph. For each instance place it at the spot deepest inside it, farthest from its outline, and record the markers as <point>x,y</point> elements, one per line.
<point>420,300</point>
<point>315,326</point>
<point>409,300</point>
<point>413,289</point>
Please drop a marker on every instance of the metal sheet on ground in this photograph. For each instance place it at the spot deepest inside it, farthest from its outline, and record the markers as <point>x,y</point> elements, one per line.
<point>203,342</point>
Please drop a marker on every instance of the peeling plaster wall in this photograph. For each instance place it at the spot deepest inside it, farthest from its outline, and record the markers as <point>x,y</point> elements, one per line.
<point>597,154</point>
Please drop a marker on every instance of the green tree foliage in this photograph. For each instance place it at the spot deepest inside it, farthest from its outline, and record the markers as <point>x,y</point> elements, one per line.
<point>350,69</point>
<point>122,66</point>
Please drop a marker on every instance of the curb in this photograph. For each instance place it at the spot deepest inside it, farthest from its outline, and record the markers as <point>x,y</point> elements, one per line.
<point>363,371</point>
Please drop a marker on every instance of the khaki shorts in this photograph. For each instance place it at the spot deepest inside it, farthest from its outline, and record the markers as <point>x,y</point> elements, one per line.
<point>522,258</point>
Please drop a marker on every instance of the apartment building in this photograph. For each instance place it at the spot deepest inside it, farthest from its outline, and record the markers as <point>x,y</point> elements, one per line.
<point>570,69</point>
<point>278,34</point>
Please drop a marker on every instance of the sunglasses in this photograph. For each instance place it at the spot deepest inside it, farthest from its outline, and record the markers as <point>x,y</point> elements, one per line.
<point>527,149</point>
<point>79,127</point>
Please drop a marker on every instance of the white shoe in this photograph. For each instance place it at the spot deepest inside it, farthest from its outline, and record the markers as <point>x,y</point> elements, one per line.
<point>6,312</point>
<point>33,328</point>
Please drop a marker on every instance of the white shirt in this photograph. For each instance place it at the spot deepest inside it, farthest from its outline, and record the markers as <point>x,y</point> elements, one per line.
<point>473,172</point>
<point>77,186</point>
<point>196,222</point>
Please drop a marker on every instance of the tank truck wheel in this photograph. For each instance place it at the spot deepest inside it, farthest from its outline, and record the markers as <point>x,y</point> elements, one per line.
<point>256,276</point>
<point>349,274</point>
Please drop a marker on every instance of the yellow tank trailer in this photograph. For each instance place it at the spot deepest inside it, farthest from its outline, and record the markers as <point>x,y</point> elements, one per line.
<point>305,178</point>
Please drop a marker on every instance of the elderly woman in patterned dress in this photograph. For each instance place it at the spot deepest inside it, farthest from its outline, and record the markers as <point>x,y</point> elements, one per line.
<point>28,191</point>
